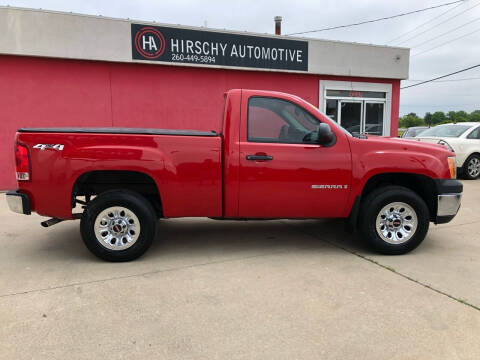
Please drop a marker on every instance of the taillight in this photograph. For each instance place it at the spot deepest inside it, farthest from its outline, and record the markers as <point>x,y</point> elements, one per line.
<point>22,162</point>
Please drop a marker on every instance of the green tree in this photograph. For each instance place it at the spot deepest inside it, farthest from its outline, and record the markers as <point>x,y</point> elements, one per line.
<point>461,116</point>
<point>439,117</point>
<point>457,116</point>
<point>410,120</point>
<point>451,115</point>
<point>474,116</point>
<point>428,119</point>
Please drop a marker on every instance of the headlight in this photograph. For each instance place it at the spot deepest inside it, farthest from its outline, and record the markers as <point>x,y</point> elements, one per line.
<point>452,166</point>
<point>444,143</point>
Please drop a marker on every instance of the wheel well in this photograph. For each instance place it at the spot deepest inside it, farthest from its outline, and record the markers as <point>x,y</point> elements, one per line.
<point>94,183</point>
<point>420,184</point>
<point>474,153</point>
<point>461,167</point>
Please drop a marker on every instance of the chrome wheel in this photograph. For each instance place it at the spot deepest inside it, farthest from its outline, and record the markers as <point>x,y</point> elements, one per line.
<point>117,228</point>
<point>396,223</point>
<point>473,167</point>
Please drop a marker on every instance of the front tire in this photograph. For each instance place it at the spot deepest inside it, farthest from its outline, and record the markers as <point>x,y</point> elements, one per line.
<point>118,225</point>
<point>471,168</point>
<point>394,220</point>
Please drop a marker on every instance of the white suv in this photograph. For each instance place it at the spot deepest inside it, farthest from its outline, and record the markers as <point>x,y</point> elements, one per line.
<point>461,138</point>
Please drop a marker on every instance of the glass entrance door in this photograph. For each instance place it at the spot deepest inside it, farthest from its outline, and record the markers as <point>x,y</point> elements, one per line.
<point>350,115</point>
<point>362,117</point>
<point>374,115</point>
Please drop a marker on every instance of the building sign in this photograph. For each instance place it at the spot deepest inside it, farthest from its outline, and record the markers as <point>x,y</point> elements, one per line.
<point>212,48</point>
<point>357,94</point>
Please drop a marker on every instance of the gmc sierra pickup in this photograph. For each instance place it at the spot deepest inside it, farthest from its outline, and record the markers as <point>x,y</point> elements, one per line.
<point>277,156</point>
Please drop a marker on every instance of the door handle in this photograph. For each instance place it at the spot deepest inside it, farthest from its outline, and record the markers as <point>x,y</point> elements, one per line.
<point>259,157</point>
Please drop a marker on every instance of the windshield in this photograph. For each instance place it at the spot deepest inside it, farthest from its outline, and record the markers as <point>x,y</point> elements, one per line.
<point>446,131</point>
<point>412,132</point>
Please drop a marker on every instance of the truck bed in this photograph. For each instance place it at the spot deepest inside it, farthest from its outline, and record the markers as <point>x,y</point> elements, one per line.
<point>184,164</point>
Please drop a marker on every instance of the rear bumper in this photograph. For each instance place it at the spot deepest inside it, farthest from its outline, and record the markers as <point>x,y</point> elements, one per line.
<point>448,200</point>
<point>18,202</point>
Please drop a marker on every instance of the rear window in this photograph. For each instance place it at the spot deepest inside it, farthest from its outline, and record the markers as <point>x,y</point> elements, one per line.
<point>446,131</point>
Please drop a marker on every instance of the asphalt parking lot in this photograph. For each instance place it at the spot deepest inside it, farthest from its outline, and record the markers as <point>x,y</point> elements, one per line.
<point>234,290</point>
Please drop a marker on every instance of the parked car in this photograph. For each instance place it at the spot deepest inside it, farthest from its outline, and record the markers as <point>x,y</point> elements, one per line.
<point>463,139</point>
<point>276,157</point>
<point>414,131</point>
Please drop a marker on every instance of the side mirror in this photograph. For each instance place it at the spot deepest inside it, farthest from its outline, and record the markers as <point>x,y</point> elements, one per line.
<point>325,135</point>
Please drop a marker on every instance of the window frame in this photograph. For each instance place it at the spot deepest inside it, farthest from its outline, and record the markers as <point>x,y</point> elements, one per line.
<point>277,141</point>
<point>385,87</point>
<point>471,132</point>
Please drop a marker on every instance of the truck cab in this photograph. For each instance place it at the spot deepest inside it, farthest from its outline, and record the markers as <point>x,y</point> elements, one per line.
<point>283,170</point>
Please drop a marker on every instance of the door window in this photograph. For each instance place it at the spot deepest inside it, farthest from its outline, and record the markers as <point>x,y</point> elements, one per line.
<point>332,109</point>
<point>475,134</point>
<point>351,116</point>
<point>374,118</point>
<point>276,120</point>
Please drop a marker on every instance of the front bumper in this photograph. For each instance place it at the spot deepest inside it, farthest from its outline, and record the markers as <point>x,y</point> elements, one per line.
<point>18,202</point>
<point>448,200</point>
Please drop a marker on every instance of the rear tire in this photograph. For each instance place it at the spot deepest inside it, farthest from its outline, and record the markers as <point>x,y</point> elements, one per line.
<point>394,220</point>
<point>471,167</point>
<point>118,225</point>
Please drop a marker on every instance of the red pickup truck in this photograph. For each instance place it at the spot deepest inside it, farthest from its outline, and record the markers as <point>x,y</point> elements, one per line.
<point>277,156</point>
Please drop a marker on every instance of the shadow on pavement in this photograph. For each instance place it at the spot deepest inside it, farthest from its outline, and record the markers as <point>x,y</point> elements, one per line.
<point>200,236</point>
<point>197,237</point>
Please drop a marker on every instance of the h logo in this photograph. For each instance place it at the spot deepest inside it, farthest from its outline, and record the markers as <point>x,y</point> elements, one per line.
<point>149,42</point>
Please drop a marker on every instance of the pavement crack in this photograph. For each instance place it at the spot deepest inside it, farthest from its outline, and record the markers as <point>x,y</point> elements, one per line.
<point>141,274</point>
<point>386,267</point>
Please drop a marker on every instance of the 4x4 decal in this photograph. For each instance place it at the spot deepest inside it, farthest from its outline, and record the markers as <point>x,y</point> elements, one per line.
<point>58,147</point>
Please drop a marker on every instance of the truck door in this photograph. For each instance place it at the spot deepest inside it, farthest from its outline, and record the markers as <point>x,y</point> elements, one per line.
<point>282,173</point>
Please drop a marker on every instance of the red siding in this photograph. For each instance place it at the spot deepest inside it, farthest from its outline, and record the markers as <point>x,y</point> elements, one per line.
<point>37,92</point>
<point>189,98</point>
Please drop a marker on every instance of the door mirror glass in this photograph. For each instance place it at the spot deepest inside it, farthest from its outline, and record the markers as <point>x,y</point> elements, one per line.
<point>324,135</point>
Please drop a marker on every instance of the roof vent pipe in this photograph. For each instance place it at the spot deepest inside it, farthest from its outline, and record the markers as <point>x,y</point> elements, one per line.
<point>278,25</point>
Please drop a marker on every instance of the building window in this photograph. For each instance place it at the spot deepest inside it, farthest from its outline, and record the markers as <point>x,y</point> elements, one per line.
<point>362,108</point>
<point>374,117</point>
<point>332,109</point>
